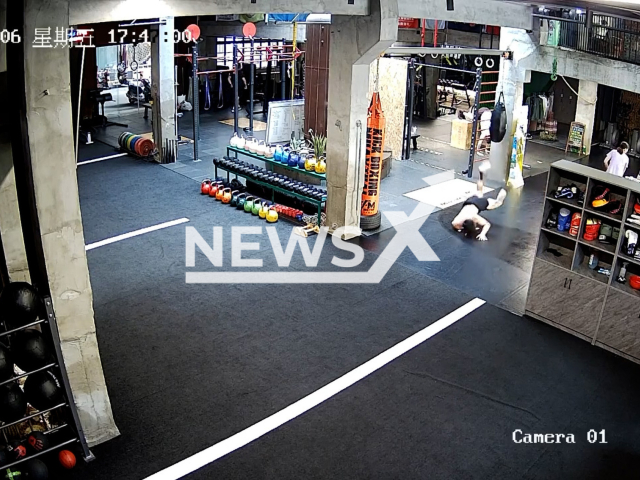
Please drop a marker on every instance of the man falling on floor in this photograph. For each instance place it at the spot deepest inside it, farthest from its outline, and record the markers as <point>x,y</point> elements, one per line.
<point>469,219</point>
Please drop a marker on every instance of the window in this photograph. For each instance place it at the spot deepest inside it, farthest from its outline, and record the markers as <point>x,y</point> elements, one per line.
<point>225,50</point>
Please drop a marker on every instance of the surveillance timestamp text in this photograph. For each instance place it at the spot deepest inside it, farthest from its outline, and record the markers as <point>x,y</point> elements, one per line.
<point>593,436</point>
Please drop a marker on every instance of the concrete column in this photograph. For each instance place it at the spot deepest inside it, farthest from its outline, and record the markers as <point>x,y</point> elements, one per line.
<point>10,226</point>
<point>162,85</point>
<point>355,43</point>
<point>586,109</point>
<point>51,142</point>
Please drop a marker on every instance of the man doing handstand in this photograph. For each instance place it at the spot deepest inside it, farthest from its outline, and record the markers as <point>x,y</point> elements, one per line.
<point>469,219</point>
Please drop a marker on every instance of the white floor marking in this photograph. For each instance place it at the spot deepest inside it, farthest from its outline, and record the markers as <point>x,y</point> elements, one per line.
<point>240,439</point>
<point>135,233</point>
<point>102,158</point>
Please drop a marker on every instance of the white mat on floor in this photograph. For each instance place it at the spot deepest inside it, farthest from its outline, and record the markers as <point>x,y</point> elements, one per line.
<point>446,194</point>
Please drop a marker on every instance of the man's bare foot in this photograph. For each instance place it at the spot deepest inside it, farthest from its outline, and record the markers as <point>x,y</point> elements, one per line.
<point>501,195</point>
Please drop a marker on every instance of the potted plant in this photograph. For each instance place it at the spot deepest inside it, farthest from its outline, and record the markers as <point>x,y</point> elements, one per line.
<point>319,143</point>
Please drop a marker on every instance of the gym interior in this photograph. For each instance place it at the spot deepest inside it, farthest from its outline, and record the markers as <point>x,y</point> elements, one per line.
<point>227,243</point>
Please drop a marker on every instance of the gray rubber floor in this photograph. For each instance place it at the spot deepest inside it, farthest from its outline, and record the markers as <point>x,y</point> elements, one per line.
<point>190,365</point>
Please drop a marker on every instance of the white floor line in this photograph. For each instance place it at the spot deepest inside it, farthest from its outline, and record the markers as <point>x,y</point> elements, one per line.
<point>240,439</point>
<point>102,158</point>
<point>135,233</point>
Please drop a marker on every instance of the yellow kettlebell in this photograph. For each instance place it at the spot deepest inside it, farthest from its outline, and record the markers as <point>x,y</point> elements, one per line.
<point>310,163</point>
<point>321,165</point>
<point>263,210</point>
<point>272,214</point>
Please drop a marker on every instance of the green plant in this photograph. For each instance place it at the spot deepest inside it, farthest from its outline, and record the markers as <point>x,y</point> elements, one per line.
<point>319,143</point>
<point>296,144</point>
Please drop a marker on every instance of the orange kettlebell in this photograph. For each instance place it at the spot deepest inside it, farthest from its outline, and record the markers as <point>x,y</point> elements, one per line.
<point>226,195</point>
<point>214,189</point>
<point>205,186</point>
<point>220,192</point>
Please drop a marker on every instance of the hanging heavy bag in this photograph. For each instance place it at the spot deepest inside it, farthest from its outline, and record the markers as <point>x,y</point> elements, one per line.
<point>498,127</point>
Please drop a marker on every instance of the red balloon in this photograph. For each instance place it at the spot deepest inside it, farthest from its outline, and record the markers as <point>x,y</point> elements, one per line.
<point>249,29</point>
<point>194,30</point>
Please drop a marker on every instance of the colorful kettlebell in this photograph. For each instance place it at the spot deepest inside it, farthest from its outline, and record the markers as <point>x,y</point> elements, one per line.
<point>257,205</point>
<point>205,186</point>
<point>220,192</point>
<point>263,210</point>
<point>234,198</point>
<point>248,204</point>
<point>272,214</point>
<point>213,190</point>
<point>321,165</point>
<point>241,200</point>
<point>226,195</point>
<point>310,163</point>
<point>293,159</point>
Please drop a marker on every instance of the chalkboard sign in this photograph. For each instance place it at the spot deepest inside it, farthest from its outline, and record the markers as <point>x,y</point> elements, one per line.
<point>285,116</point>
<point>576,136</point>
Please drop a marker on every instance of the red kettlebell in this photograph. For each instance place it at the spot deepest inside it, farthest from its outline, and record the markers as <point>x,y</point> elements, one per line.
<point>213,189</point>
<point>205,186</point>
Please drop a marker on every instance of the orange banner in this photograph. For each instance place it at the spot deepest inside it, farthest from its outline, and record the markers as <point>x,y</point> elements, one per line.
<point>373,160</point>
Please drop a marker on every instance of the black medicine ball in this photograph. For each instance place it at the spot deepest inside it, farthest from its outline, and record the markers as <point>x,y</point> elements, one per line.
<point>19,305</point>
<point>13,404</point>
<point>6,363</point>
<point>30,350</point>
<point>34,469</point>
<point>43,390</point>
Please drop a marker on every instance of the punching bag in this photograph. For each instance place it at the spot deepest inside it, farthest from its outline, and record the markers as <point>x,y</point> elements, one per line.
<point>498,127</point>
<point>369,214</point>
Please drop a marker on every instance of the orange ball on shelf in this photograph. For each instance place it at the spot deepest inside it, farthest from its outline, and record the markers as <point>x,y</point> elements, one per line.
<point>634,282</point>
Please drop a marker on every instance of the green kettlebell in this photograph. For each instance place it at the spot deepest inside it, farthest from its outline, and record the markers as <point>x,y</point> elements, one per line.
<point>240,201</point>
<point>248,204</point>
<point>255,210</point>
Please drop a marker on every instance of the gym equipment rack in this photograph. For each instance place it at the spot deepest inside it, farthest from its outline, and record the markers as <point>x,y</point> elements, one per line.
<point>564,291</point>
<point>49,329</point>
<point>271,161</point>
<point>274,188</point>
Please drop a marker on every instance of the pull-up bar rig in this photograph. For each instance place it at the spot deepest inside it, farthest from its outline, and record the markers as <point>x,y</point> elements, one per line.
<point>238,57</point>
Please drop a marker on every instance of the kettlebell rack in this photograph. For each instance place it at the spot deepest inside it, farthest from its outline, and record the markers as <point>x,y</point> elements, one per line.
<point>49,329</point>
<point>272,162</point>
<point>318,203</point>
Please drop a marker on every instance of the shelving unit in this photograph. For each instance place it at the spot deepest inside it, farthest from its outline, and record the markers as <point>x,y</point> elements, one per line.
<point>564,291</point>
<point>272,162</point>
<point>274,188</point>
<point>67,430</point>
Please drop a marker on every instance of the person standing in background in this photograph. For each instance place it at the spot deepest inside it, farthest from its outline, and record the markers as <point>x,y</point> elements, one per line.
<point>617,160</point>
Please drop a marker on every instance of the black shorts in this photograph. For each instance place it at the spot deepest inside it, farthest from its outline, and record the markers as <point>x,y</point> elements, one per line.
<point>479,202</point>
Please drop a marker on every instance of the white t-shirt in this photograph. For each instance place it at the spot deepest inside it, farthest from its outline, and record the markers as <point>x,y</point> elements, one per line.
<point>618,163</point>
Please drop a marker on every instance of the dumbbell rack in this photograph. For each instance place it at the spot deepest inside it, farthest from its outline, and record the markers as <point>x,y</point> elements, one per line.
<point>49,328</point>
<point>563,290</point>
<point>275,188</point>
